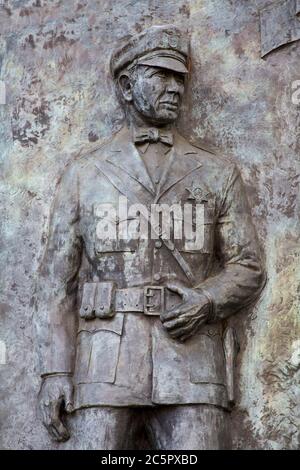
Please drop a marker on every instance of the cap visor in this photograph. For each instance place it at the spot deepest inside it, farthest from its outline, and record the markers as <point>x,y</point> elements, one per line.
<point>166,63</point>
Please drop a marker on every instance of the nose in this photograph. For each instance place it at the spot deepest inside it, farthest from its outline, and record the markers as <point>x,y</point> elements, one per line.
<point>173,86</point>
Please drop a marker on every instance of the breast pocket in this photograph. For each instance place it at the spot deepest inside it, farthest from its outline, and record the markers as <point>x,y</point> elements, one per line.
<point>198,230</point>
<point>98,350</point>
<point>114,235</point>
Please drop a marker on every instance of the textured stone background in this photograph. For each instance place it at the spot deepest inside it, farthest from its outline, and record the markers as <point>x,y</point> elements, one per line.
<point>54,61</point>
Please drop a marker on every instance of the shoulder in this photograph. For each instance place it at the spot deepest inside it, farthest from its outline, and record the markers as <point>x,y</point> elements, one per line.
<point>210,159</point>
<point>97,151</point>
<point>84,161</point>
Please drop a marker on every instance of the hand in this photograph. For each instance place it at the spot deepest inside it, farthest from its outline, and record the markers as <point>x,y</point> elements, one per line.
<point>55,396</point>
<point>184,320</point>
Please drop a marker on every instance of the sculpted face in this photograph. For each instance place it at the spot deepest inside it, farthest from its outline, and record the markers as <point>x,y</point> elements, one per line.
<point>155,93</point>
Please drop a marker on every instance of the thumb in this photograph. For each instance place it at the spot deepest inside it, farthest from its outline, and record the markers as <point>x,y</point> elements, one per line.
<point>175,288</point>
<point>68,394</point>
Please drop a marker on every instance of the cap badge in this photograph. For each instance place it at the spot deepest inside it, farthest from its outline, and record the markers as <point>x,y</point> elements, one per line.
<point>169,40</point>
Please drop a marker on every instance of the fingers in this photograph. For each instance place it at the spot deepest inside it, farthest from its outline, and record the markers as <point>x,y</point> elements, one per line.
<point>45,410</point>
<point>182,331</point>
<point>190,329</point>
<point>56,425</point>
<point>170,324</point>
<point>51,419</point>
<point>177,289</point>
<point>170,314</point>
<point>183,327</point>
<point>179,315</point>
<point>180,312</point>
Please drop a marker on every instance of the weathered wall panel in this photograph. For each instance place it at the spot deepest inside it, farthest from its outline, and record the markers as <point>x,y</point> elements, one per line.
<point>59,100</point>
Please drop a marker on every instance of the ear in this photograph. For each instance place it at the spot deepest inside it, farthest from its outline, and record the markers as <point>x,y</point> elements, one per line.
<point>125,86</point>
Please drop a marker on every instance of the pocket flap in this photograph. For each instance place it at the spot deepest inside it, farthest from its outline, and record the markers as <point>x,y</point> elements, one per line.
<point>88,299</point>
<point>104,299</point>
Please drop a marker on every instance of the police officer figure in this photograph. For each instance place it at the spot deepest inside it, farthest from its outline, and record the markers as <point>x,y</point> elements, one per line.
<point>131,331</point>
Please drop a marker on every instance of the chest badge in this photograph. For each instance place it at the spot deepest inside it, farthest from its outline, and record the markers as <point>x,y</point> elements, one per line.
<point>197,194</point>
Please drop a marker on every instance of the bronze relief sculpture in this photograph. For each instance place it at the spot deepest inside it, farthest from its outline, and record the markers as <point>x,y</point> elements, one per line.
<point>132,311</point>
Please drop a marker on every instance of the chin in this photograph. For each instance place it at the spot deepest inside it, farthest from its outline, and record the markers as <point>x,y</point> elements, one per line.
<point>166,117</point>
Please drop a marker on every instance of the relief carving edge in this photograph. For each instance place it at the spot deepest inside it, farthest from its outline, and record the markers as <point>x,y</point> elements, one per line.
<point>279,25</point>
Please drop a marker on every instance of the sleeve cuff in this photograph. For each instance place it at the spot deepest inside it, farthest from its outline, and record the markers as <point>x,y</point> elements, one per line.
<point>212,316</point>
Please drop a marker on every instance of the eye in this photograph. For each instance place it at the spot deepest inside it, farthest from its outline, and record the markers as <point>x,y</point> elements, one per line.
<point>159,74</point>
<point>179,79</point>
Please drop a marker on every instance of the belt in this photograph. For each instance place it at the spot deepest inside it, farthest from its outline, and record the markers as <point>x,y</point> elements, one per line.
<point>102,300</point>
<point>149,300</point>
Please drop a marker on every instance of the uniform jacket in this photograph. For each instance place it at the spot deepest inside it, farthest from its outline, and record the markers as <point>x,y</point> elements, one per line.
<point>129,359</point>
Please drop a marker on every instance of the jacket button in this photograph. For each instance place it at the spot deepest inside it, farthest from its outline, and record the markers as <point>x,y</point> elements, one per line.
<point>158,244</point>
<point>156,277</point>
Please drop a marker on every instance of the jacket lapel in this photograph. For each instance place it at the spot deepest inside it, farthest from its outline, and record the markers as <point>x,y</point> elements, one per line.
<point>181,163</point>
<point>125,158</point>
<point>125,168</point>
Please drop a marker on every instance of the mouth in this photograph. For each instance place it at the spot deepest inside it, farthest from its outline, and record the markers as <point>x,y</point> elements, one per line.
<point>170,105</point>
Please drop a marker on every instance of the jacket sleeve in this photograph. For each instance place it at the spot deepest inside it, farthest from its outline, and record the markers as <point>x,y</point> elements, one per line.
<point>242,276</point>
<point>55,320</point>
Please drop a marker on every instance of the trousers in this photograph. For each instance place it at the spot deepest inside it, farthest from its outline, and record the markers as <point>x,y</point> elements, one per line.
<point>180,427</point>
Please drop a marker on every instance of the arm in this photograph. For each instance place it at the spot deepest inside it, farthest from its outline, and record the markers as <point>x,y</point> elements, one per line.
<point>56,301</point>
<point>241,278</point>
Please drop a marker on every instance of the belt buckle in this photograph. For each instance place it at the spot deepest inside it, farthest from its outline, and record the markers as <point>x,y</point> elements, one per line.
<point>148,305</point>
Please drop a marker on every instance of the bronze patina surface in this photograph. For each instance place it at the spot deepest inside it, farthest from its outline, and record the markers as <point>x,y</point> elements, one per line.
<point>152,326</point>
<point>57,102</point>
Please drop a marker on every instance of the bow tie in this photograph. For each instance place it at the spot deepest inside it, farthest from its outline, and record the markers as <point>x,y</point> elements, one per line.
<point>152,136</point>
